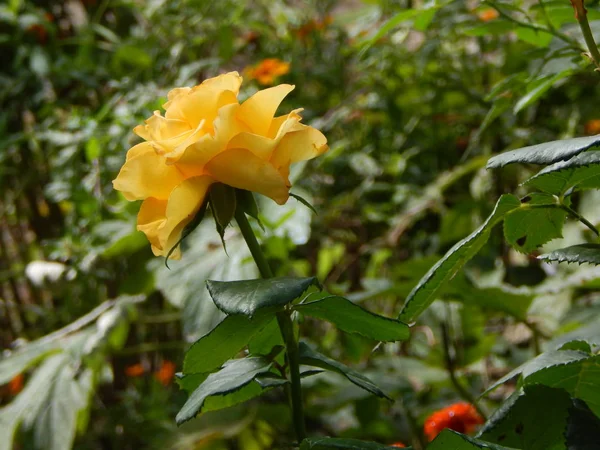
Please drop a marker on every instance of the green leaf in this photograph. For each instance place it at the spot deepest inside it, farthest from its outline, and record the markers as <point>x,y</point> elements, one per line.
<point>581,253</point>
<point>451,440</point>
<point>223,342</point>
<point>234,375</point>
<point>247,203</point>
<point>222,401</point>
<point>56,424</point>
<point>249,296</point>
<point>583,427</point>
<point>534,419</point>
<point>431,284</point>
<point>328,443</point>
<point>528,228</point>
<point>222,203</point>
<point>313,358</point>
<point>582,171</point>
<point>579,378</point>
<point>498,298</point>
<point>351,318</point>
<point>545,360</point>
<point>534,37</point>
<point>304,202</point>
<point>29,401</point>
<point>269,380</point>
<point>263,342</point>
<point>191,381</point>
<point>540,89</point>
<point>20,360</point>
<point>546,153</point>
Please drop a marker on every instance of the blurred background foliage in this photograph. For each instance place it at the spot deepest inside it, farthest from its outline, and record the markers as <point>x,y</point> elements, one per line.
<point>413,95</point>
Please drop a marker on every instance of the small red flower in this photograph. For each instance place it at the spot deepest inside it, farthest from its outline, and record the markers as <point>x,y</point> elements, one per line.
<point>398,444</point>
<point>166,373</point>
<point>16,385</point>
<point>461,417</point>
<point>135,370</point>
<point>592,126</point>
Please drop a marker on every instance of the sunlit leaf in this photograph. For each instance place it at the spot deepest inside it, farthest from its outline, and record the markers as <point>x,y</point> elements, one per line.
<point>581,253</point>
<point>546,153</point>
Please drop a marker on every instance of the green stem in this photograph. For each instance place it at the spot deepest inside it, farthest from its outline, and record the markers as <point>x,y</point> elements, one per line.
<point>579,217</point>
<point>286,327</point>
<point>450,366</point>
<point>581,16</point>
<point>560,35</point>
<point>253,245</point>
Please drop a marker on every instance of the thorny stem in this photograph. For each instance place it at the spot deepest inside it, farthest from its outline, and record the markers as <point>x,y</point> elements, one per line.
<point>286,327</point>
<point>581,16</point>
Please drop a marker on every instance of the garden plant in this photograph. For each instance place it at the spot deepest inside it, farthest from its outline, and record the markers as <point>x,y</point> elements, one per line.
<point>336,225</point>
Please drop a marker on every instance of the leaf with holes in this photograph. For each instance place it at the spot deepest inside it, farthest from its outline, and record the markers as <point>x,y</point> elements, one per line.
<point>310,357</point>
<point>535,223</point>
<point>446,268</point>
<point>351,318</point>
<point>249,296</point>
<point>223,342</point>
<point>579,172</point>
<point>546,153</point>
<point>581,253</point>
<point>233,376</point>
<point>533,419</point>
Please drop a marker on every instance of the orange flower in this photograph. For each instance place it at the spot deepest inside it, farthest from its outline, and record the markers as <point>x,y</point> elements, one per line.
<point>461,417</point>
<point>488,14</point>
<point>398,444</point>
<point>312,25</point>
<point>592,126</point>
<point>268,70</point>
<point>166,372</point>
<point>135,370</point>
<point>16,385</point>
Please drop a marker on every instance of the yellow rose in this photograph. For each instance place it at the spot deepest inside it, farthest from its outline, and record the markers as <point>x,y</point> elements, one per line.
<point>206,136</point>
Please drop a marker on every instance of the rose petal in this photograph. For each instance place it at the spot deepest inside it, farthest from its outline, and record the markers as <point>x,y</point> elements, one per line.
<point>146,174</point>
<point>263,146</point>
<point>298,146</point>
<point>240,168</point>
<point>227,82</point>
<point>185,201</point>
<point>277,123</point>
<point>193,158</point>
<point>150,218</point>
<point>201,103</point>
<point>258,111</point>
<point>163,221</point>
